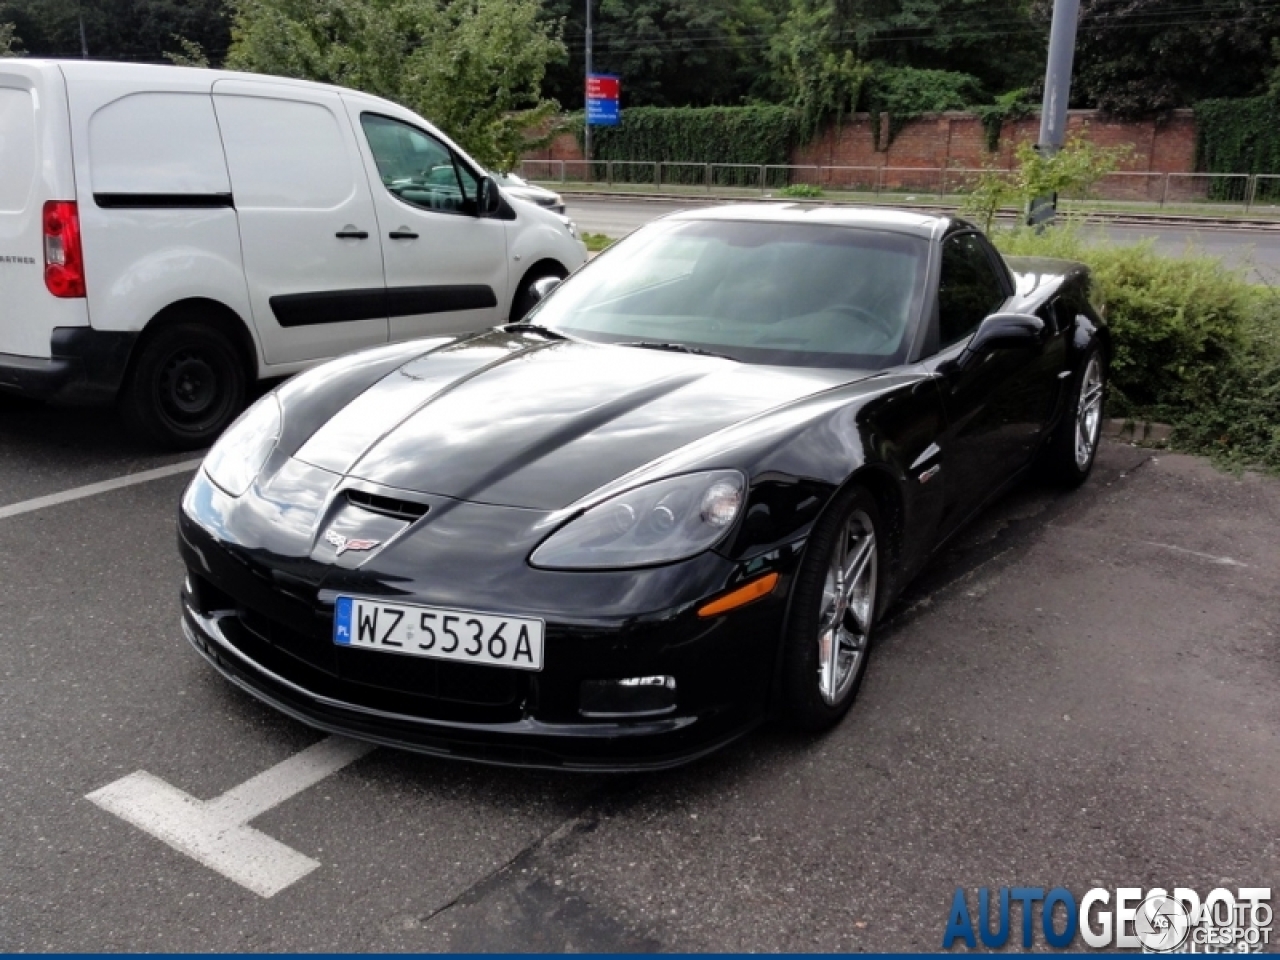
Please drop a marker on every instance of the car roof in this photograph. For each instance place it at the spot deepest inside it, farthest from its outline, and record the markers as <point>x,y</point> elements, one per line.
<point>868,218</point>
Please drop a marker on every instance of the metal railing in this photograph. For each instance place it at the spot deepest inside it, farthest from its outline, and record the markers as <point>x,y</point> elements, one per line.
<point>1216,190</point>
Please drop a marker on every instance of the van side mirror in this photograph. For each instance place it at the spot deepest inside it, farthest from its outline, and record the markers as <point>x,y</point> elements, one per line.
<point>488,197</point>
<point>1003,331</point>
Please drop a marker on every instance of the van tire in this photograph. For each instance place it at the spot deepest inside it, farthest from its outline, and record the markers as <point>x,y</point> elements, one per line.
<point>525,298</point>
<point>186,384</point>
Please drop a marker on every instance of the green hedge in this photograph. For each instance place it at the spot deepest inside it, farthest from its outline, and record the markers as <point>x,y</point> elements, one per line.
<point>1196,345</point>
<point>749,135</point>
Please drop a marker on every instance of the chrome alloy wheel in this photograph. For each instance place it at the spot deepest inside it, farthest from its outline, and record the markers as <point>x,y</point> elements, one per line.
<point>848,605</point>
<point>1089,412</point>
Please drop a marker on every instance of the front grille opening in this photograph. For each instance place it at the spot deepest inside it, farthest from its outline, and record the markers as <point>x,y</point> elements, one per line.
<point>387,506</point>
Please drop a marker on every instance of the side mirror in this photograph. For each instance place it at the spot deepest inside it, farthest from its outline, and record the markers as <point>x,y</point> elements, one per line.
<point>1003,331</point>
<point>488,197</point>
<point>542,287</point>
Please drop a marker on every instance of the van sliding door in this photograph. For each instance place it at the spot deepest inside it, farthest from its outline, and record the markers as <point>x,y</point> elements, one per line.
<point>312,256</point>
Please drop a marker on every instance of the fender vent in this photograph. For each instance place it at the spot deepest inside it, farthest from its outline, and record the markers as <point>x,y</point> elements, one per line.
<point>387,506</point>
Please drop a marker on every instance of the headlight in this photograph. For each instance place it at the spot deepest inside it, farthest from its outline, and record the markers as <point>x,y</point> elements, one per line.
<point>243,449</point>
<point>661,522</point>
<point>570,226</point>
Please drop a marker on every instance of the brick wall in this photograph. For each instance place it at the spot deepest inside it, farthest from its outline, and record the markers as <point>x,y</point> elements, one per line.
<point>958,140</point>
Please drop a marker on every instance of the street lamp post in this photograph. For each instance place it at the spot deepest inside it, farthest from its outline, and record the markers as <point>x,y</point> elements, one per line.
<point>586,113</point>
<point>1057,92</point>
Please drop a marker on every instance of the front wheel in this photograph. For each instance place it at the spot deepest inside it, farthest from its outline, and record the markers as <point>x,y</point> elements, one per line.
<point>186,386</point>
<point>833,610</point>
<point>1068,457</point>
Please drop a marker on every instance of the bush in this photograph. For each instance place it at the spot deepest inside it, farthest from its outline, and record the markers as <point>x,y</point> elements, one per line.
<point>1196,345</point>
<point>802,191</point>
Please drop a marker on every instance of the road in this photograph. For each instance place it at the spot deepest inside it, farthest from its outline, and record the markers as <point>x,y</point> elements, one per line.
<point>1257,251</point>
<point>1080,692</point>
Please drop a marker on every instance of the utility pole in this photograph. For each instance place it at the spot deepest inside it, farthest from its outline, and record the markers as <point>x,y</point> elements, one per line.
<point>1057,91</point>
<point>84,44</point>
<point>586,114</point>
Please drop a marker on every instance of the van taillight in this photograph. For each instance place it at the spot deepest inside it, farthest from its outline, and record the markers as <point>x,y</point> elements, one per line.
<point>63,259</point>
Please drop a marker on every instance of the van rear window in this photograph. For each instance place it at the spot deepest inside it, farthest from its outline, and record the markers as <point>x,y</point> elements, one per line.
<point>17,148</point>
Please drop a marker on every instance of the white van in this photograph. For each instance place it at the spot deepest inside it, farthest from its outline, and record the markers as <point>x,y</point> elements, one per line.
<point>167,234</point>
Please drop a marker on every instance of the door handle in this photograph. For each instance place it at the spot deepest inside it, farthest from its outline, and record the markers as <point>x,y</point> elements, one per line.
<point>402,235</point>
<point>352,234</point>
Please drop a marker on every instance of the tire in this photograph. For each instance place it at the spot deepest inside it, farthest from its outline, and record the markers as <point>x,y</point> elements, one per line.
<point>525,299</point>
<point>814,696</point>
<point>187,383</point>
<point>1067,459</point>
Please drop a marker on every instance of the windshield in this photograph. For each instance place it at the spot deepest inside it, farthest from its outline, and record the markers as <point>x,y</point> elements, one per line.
<point>792,294</point>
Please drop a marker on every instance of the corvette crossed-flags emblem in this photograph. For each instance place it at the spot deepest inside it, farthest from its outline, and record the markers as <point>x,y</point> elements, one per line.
<point>344,544</point>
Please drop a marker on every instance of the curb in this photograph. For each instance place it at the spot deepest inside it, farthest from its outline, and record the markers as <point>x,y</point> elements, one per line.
<point>1137,432</point>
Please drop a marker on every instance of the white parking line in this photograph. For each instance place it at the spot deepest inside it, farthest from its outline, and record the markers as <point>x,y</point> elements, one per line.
<point>93,489</point>
<point>215,832</point>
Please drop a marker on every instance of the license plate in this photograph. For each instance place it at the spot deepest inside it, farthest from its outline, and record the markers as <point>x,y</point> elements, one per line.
<point>460,635</point>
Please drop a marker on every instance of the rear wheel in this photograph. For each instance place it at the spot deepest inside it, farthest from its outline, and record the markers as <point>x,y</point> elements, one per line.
<point>187,384</point>
<point>526,298</point>
<point>1068,457</point>
<point>833,609</point>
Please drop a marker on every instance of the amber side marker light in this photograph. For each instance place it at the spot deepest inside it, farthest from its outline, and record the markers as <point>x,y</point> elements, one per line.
<point>743,595</point>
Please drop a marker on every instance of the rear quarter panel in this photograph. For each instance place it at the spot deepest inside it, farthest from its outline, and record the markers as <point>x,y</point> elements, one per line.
<point>35,166</point>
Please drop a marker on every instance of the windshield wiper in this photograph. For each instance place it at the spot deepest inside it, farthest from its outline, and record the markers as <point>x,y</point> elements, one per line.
<point>674,348</point>
<point>535,328</point>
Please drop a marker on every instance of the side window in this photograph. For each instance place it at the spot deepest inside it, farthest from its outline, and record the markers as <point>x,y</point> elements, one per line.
<point>418,168</point>
<point>969,288</point>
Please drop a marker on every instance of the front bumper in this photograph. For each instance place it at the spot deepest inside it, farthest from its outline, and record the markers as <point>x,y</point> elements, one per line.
<point>525,741</point>
<point>84,366</point>
<point>265,621</point>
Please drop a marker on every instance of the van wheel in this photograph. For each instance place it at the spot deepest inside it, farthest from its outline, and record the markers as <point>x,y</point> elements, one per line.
<point>525,298</point>
<point>187,384</point>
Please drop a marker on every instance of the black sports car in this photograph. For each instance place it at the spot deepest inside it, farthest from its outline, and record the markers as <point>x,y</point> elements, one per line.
<point>670,503</point>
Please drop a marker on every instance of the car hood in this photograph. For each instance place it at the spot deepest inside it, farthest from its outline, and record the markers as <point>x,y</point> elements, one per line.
<point>517,420</point>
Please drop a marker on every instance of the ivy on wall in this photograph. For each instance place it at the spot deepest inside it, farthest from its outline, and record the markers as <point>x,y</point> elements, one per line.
<point>1008,107</point>
<point>1238,136</point>
<point>906,93</point>
<point>740,135</point>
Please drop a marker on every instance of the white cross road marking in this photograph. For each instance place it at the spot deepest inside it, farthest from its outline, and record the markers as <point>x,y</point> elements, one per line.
<point>216,832</point>
<point>93,489</point>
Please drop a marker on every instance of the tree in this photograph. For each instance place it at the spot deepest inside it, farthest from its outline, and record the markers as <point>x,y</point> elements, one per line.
<point>815,72</point>
<point>10,42</point>
<point>1000,42</point>
<point>1138,57</point>
<point>668,52</point>
<point>136,30</point>
<point>1072,170</point>
<point>473,67</point>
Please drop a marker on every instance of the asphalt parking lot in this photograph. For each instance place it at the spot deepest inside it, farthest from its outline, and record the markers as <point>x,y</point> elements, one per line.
<point>1080,692</point>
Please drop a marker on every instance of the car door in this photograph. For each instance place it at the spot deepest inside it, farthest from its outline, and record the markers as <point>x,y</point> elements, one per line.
<point>307,227</point>
<point>987,409</point>
<point>445,266</point>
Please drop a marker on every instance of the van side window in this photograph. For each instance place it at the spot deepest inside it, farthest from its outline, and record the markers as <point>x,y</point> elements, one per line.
<point>416,167</point>
<point>969,288</point>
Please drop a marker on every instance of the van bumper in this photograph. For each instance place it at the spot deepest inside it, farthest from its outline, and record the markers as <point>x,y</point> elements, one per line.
<point>85,366</point>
